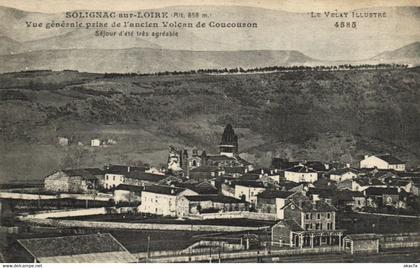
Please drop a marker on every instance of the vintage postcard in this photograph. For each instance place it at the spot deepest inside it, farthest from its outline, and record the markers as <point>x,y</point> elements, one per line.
<point>140,131</point>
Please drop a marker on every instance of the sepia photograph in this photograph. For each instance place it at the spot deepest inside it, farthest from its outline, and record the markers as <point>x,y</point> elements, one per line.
<point>271,131</point>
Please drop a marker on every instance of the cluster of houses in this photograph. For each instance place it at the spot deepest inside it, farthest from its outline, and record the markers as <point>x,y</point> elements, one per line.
<point>303,197</point>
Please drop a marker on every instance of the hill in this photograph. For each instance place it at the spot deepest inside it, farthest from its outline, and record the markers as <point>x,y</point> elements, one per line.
<point>408,53</point>
<point>325,115</point>
<point>144,60</point>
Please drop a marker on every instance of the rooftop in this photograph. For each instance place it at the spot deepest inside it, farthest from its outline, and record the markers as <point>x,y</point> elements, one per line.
<point>79,248</point>
<point>214,198</point>
<point>166,190</point>
<point>390,159</point>
<point>270,194</point>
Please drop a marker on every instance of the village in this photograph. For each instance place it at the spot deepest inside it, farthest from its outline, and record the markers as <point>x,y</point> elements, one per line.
<point>215,207</point>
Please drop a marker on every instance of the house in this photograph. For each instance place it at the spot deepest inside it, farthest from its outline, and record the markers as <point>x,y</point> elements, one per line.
<point>95,143</point>
<point>307,223</point>
<point>90,248</point>
<point>130,194</point>
<point>361,184</point>
<point>382,196</point>
<point>205,172</point>
<point>271,201</point>
<point>361,243</point>
<point>415,188</point>
<point>203,187</point>
<point>199,204</point>
<point>349,200</point>
<point>383,161</point>
<point>343,174</point>
<point>282,164</point>
<point>116,175</point>
<point>71,181</point>
<point>301,173</point>
<point>248,190</point>
<point>63,141</point>
<point>162,200</point>
<point>272,174</point>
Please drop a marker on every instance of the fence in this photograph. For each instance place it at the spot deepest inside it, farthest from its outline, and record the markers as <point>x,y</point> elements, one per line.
<point>244,254</point>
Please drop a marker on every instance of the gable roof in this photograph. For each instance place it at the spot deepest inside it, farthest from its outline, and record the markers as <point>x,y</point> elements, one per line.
<point>205,169</point>
<point>144,176</point>
<point>80,173</point>
<point>381,191</point>
<point>342,171</point>
<point>214,198</point>
<point>130,188</point>
<point>166,190</point>
<point>253,184</point>
<point>270,194</point>
<point>78,248</point>
<point>301,169</point>
<point>307,205</point>
<point>200,187</point>
<point>390,159</point>
<point>122,170</point>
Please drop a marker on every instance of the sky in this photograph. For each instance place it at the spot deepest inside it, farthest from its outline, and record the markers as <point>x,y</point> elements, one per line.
<point>51,6</point>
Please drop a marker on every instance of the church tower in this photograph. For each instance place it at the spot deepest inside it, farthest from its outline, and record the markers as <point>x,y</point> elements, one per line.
<point>229,144</point>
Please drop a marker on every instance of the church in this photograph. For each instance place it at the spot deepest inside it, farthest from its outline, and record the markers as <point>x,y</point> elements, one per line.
<point>182,162</point>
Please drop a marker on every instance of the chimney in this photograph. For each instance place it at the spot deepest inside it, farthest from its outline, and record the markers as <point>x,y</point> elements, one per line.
<point>262,171</point>
<point>348,165</point>
<point>172,191</point>
<point>128,169</point>
<point>366,156</point>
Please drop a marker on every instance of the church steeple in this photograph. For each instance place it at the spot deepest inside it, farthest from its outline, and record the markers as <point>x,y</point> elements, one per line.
<point>229,144</point>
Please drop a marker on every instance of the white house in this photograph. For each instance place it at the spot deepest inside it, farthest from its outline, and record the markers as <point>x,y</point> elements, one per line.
<point>343,174</point>
<point>127,194</point>
<point>162,200</point>
<point>384,161</point>
<point>95,143</point>
<point>301,173</point>
<point>248,190</point>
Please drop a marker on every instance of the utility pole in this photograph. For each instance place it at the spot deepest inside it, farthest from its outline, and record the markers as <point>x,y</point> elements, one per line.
<point>148,247</point>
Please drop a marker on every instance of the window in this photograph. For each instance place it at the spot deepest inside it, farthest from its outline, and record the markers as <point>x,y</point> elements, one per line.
<point>318,226</point>
<point>307,227</point>
<point>318,216</point>
<point>308,216</point>
<point>328,215</point>
<point>113,178</point>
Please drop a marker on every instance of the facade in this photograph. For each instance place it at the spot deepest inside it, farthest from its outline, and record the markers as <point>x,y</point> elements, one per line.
<point>382,197</point>
<point>71,181</point>
<point>273,202</point>
<point>307,224</point>
<point>199,204</point>
<point>361,243</point>
<point>248,190</point>
<point>162,200</point>
<point>301,173</point>
<point>340,175</point>
<point>130,194</point>
<point>385,161</point>
<point>95,143</point>
<point>130,176</point>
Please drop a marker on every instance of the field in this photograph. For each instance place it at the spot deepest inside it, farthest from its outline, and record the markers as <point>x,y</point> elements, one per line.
<point>361,223</point>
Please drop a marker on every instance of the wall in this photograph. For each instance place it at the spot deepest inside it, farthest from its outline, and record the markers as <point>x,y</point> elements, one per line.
<point>139,226</point>
<point>99,197</point>
<point>71,213</point>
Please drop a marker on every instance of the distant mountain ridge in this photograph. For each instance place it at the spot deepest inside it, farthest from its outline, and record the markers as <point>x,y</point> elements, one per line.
<point>408,52</point>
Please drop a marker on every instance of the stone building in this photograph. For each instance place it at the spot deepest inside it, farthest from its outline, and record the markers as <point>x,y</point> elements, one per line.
<point>71,181</point>
<point>307,223</point>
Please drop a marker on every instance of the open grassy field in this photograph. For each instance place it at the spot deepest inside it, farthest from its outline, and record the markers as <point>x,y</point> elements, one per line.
<point>361,223</point>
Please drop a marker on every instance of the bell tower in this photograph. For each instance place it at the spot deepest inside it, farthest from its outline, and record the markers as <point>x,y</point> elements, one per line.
<point>229,144</point>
